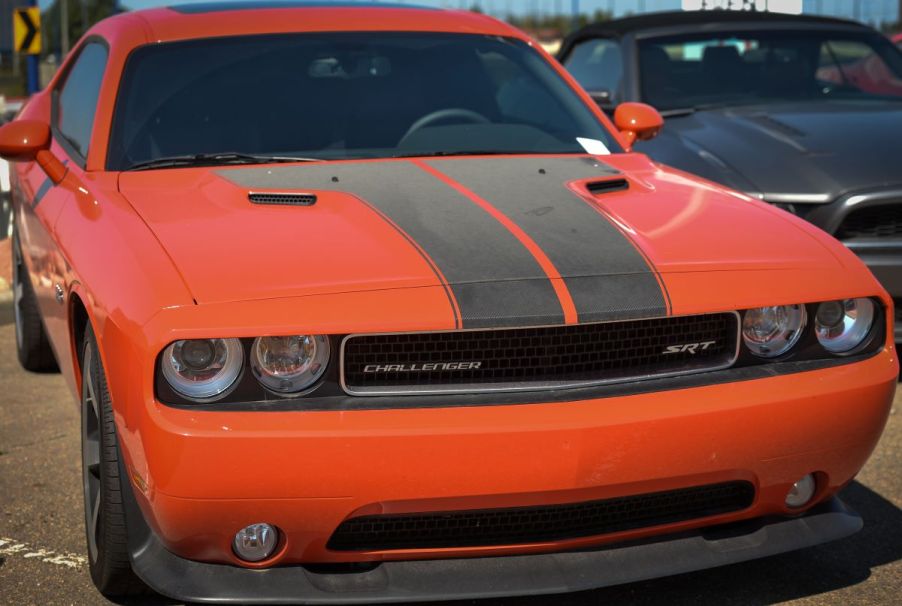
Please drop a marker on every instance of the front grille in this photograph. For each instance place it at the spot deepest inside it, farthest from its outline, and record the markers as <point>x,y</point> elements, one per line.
<point>518,525</point>
<point>874,222</point>
<point>537,358</point>
<point>897,307</point>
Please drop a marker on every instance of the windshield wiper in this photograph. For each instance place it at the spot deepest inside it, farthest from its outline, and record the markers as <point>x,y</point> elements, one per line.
<point>216,159</point>
<point>477,152</point>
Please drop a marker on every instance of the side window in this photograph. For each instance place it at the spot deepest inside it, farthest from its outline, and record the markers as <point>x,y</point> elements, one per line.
<point>77,99</point>
<point>597,64</point>
<point>855,66</point>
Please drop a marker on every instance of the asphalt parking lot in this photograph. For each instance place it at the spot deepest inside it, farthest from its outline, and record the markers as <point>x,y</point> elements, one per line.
<point>42,542</point>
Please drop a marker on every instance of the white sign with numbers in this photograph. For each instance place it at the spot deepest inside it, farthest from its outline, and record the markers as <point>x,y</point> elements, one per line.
<point>793,7</point>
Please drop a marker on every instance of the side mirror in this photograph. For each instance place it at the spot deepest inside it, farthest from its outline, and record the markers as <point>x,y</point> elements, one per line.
<point>637,121</point>
<point>29,141</point>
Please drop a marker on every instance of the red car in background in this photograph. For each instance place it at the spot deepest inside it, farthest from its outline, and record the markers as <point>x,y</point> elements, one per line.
<point>897,40</point>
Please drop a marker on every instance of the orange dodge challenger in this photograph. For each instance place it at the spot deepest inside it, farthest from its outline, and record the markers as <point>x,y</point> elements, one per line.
<point>373,303</point>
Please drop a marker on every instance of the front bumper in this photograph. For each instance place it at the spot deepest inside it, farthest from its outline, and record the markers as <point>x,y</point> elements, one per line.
<point>202,475</point>
<point>458,579</point>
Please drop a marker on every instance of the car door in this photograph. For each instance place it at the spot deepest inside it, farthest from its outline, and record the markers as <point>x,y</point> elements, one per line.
<point>39,202</point>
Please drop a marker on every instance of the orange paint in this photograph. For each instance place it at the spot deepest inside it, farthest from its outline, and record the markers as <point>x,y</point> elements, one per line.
<point>637,121</point>
<point>125,247</point>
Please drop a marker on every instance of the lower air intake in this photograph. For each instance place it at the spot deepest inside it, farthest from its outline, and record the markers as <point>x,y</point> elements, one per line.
<point>519,525</point>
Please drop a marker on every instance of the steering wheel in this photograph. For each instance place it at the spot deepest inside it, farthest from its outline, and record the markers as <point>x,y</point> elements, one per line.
<point>445,114</point>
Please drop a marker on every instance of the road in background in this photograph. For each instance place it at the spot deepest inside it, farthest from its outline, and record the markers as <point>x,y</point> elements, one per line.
<point>42,542</point>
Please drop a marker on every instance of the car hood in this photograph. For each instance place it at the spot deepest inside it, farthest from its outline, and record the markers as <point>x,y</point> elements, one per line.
<point>818,150</point>
<point>510,239</point>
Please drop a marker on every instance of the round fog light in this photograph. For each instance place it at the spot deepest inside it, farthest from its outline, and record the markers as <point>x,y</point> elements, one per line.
<point>255,542</point>
<point>801,492</point>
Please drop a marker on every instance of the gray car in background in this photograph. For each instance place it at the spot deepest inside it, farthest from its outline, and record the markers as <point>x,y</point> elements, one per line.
<point>802,112</point>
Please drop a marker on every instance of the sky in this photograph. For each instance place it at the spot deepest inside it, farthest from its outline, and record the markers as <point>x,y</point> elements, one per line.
<point>870,11</point>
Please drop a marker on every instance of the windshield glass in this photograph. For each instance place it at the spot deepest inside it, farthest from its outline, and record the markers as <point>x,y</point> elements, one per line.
<point>765,67</point>
<point>345,95</point>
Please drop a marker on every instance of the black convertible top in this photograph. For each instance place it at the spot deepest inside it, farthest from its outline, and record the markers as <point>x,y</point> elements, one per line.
<point>619,27</point>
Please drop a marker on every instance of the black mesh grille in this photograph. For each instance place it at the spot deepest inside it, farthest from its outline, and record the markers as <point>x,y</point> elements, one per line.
<point>531,524</point>
<point>283,199</point>
<point>875,222</point>
<point>535,357</point>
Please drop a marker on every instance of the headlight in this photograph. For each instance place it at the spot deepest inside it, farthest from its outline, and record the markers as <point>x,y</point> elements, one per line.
<point>841,326</point>
<point>201,369</point>
<point>769,332</point>
<point>288,365</point>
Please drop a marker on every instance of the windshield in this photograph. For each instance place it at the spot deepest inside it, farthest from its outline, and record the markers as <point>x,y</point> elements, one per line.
<point>346,95</point>
<point>767,67</point>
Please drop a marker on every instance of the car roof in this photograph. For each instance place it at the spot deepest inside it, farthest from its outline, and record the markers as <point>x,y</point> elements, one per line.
<point>216,19</point>
<point>218,7</point>
<point>670,19</point>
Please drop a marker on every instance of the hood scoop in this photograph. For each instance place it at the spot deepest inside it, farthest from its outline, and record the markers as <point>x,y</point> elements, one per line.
<point>607,186</point>
<point>282,199</point>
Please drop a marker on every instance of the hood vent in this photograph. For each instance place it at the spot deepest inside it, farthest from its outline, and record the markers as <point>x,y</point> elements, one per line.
<point>607,186</point>
<point>282,199</point>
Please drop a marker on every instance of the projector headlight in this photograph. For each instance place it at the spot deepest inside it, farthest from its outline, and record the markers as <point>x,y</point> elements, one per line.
<point>289,365</point>
<point>769,332</point>
<point>841,326</point>
<point>203,369</point>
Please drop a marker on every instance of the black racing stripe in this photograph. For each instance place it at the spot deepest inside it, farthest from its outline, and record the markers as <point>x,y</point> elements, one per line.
<point>608,278</point>
<point>452,302</point>
<point>495,280</point>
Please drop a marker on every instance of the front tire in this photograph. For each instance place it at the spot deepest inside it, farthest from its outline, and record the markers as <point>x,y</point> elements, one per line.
<point>32,345</point>
<point>106,531</point>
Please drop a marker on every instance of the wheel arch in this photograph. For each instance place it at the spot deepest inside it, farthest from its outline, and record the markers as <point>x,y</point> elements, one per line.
<point>81,315</point>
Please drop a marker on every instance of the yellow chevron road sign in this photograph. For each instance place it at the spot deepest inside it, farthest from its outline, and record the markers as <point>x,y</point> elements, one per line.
<point>27,30</point>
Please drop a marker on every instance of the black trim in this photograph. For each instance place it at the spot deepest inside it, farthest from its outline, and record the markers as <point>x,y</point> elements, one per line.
<point>807,355</point>
<point>331,403</point>
<point>471,578</point>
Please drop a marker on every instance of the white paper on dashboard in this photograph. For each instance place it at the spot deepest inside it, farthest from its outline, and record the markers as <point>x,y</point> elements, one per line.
<point>593,146</point>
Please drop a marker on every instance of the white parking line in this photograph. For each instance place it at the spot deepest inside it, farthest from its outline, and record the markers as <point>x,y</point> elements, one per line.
<point>18,548</point>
